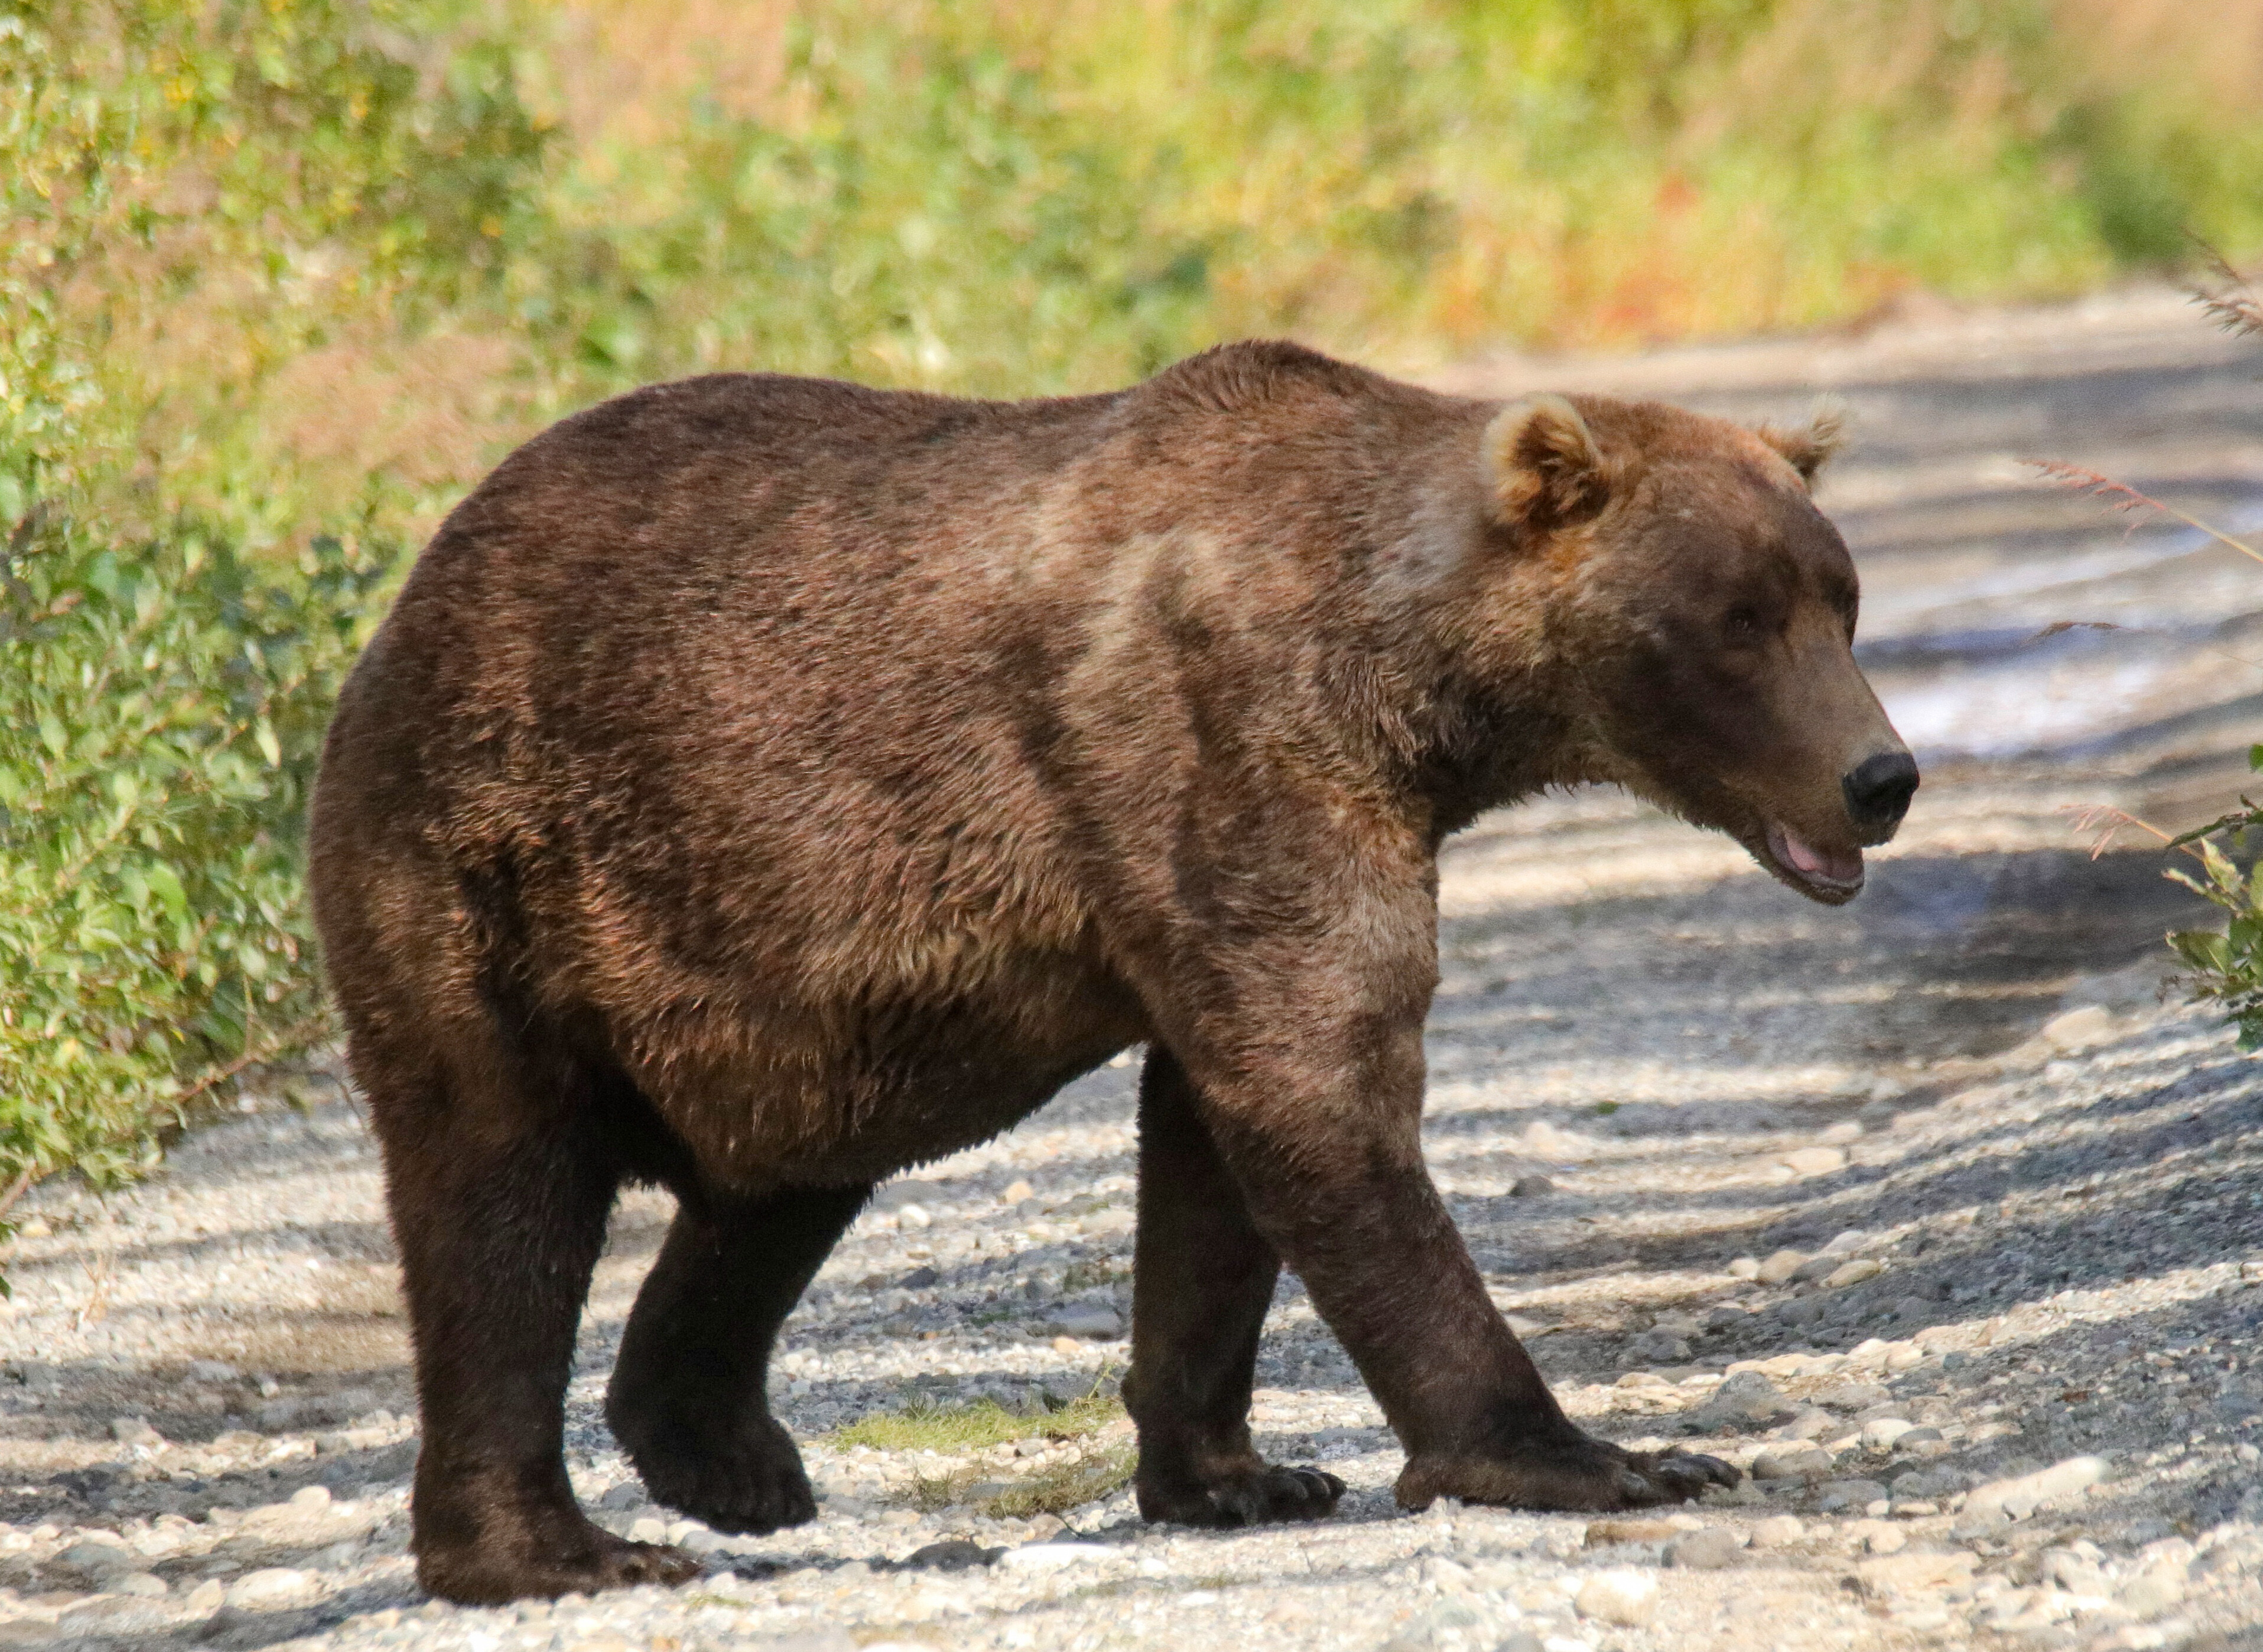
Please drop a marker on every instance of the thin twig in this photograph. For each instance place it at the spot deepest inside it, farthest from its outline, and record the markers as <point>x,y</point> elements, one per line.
<point>15,1190</point>
<point>2059,625</point>
<point>2122,496</point>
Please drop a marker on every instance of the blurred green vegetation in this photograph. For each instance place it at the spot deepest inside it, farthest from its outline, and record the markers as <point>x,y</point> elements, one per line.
<point>280,276</point>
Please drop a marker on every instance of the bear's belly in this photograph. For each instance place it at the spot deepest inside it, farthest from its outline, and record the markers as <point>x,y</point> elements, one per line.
<point>827,1095</point>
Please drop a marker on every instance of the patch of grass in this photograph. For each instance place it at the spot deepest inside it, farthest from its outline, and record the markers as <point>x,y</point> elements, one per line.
<point>1084,1276</point>
<point>1065,1486</point>
<point>924,1425</point>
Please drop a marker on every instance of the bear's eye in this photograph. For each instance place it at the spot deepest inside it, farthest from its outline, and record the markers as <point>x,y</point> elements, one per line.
<point>1743,624</point>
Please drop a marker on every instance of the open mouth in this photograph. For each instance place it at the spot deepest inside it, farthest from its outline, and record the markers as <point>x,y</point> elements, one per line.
<point>1828,875</point>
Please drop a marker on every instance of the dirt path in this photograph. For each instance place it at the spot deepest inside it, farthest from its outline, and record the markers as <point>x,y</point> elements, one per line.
<point>1903,1205</point>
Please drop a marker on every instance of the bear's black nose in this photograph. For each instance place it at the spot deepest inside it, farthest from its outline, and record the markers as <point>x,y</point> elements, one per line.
<point>1878,792</point>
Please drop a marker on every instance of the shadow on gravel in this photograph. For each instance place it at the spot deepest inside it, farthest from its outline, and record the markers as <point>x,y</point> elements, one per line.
<point>1943,955</point>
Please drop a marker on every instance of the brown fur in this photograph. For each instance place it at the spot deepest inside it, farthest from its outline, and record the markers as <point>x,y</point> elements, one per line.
<point>764,784</point>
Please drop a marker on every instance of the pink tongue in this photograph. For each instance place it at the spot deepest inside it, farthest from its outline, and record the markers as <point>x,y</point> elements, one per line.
<point>1843,868</point>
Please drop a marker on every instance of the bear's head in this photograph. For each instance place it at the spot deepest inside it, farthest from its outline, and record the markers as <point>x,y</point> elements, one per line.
<point>1699,617</point>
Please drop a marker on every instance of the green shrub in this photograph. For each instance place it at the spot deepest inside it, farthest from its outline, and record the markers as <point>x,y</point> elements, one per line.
<point>161,705</point>
<point>2227,965</point>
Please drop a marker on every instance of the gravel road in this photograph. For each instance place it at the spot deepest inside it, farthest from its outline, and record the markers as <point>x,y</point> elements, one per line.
<point>1931,1213</point>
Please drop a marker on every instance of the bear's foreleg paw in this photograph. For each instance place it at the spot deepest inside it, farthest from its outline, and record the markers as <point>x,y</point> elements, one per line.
<point>1579,1473</point>
<point>1247,1494</point>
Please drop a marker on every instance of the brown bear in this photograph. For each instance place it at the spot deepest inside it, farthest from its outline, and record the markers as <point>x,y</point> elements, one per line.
<point>763,785</point>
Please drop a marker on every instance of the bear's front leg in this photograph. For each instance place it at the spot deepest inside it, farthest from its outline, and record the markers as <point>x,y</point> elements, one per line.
<point>1307,1074</point>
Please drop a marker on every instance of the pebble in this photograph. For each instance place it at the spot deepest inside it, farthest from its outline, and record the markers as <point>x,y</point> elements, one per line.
<point>1053,1557</point>
<point>1777,1530</point>
<point>1531,1187</point>
<point>1814,1161</point>
<point>2021,1496</point>
<point>1706,1550</point>
<point>1621,1595</point>
<point>1781,1266</point>
<point>1789,1462</point>
<point>272,1589</point>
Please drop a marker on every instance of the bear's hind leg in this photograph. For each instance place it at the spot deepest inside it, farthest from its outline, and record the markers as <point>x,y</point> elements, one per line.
<point>689,1399</point>
<point>1202,1279</point>
<point>500,1184</point>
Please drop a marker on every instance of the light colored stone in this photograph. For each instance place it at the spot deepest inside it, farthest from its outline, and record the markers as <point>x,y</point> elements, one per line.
<point>1854,1272</point>
<point>1621,1595</point>
<point>912,1218</point>
<point>2154,1589</point>
<point>2021,1496</point>
<point>1706,1550</point>
<point>1745,1267</point>
<point>1777,1530</point>
<point>2081,1028</point>
<point>1629,1529</point>
<point>206,1597</point>
<point>1781,1266</point>
<point>1792,1462</point>
<point>1040,1558</point>
<point>311,1499</point>
<point>273,1588</point>
<point>1881,1433</point>
<point>1907,1573</point>
<point>1814,1161</point>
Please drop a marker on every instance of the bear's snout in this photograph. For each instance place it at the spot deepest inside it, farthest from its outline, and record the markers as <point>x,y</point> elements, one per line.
<point>1877,790</point>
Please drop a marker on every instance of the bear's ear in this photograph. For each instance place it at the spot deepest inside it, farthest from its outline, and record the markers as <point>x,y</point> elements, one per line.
<point>1809,450</point>
<point>1543,463</point>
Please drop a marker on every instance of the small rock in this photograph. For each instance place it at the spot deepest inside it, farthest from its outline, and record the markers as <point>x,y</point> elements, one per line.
<point>1745,1267</point>
<point>1781,1266</point>
<point>1544,1140</point>
<point>1659,1347</point>
<point>1776,1531</point>
<point>135,1431</point>
<point>272,1589</point>
<point>912,1218</point>
<point>1089,1320</point>
<point>1707,1550</point>
<point>1854,1272</point>
<point>1051,1557</point>
<point>147,1584</point>
<point>1854,1396</point>
<point>627,1495</point>
<point>1016,1192</point>
<point>1531,1187</point>
<point>206,1597</point>
<point>1880,1538</point>
<point>1792,1462</point>
<point>2155,1589</point>
<point>1850,1240</point>
<point>1880,1435</point>
<point>952,1554</point>
<point>2021,1496</point>
<point>1814,1161</point>
<point>1603,1533</point>
<point>1850,1494</point>
<point>1914,1574</point>
<point>311,1499</point>
<point>2079,1028</point>
<point>1619,1596</point>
